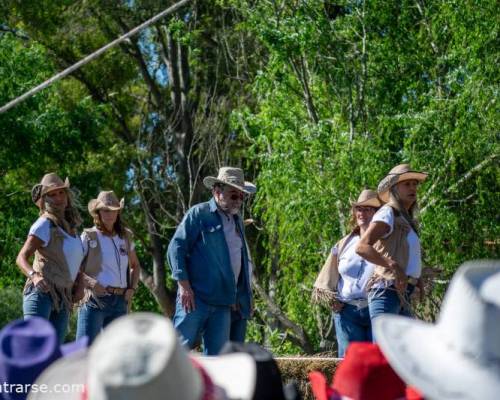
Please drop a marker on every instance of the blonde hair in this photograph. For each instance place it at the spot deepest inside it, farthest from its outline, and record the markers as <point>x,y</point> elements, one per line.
<point>71,214</point>
<point>408,215</point>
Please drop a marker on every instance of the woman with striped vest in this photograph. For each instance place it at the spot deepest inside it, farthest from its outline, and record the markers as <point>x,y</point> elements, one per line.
<point>110,268</point>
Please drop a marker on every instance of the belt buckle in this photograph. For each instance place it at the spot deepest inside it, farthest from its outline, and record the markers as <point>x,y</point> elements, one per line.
<point>412,280</point>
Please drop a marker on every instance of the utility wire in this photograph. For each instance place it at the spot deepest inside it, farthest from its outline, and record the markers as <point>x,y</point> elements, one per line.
<point>91,57</point>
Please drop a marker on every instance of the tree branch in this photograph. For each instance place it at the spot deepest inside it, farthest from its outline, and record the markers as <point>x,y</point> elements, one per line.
<point>468,175</point>
<point>299,336</point>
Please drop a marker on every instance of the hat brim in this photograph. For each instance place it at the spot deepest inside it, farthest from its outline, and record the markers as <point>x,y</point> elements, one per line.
<point>373,202</point>
<point>52,188</point>
<point>390,180</point>
<point>236,373</point>
<point>418,353</point>
<point>49,189</point>
<point>490,289</point>
<point>68,372</point>
<point>72,347</point>
<point>96,205</point>
<point>248,188</point>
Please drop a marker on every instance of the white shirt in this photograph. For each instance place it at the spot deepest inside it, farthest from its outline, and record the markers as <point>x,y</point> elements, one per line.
<point>72,245</point>
<point>114,256</point>
<point>234,242</point>
<point>354,272</point>
<point>414,267</point>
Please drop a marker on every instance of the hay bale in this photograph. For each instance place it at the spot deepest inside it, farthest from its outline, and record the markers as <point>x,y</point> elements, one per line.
<point>297,369</point>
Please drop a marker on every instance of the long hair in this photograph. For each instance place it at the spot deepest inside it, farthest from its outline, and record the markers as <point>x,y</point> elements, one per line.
<point>119,227</point>
<point>408,215</point>
<point>71,215</point>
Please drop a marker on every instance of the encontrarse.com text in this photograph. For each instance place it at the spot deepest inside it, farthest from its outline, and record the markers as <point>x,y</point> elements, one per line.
<point>41,388</point>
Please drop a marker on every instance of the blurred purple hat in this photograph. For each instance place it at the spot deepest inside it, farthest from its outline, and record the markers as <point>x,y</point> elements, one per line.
<point>27,347</point>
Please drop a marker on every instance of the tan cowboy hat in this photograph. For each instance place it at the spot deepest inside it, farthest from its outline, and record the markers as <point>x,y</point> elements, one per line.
<point>399,173</point>
<point>49,183</point>
<point>106,200</point>
<point>368,198</point>
<point>232,177</point>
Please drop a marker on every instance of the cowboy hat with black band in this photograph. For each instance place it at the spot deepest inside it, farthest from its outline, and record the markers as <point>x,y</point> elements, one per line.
<point>49,183</point>
<point>232,177</point>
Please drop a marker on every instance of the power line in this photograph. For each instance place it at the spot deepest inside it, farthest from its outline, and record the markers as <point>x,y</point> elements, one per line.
<point>91,57</point>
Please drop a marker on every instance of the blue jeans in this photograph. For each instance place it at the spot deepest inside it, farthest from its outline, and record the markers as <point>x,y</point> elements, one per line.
<point>352,324</point>
<point>211,323</point>
<point>383,301</point>
<point>39,304</point>
<point>93,317</point>
<point>238,328</point>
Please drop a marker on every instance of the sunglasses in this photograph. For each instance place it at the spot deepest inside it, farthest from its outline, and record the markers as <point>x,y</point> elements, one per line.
<point>237,196</point>
<point>365,209</point>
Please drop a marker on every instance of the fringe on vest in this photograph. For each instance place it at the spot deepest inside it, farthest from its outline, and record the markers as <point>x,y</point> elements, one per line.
<point>325,287</point>
<point>50,262</point>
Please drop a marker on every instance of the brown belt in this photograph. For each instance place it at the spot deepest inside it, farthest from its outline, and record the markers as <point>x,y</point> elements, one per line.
<point>116,290</point>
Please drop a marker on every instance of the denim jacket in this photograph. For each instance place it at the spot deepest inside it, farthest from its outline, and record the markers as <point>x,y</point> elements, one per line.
<point>198,252</point>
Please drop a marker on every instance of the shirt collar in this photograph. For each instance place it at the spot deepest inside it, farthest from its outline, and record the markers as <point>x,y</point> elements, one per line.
<point>213,205</point>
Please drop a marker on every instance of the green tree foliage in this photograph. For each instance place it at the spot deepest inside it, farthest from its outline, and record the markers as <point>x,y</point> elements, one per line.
<point>46,133</point>
<point>163,97</point>
<point>315,99</point>
<point>350,90</point>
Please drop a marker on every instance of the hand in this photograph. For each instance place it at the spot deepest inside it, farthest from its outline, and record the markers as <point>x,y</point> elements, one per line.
<point>128,294</point>
<point>99,290</point>
<point>337,306</point>
<point>39,282</point>
<point>401,278</point>
<point>187,296</point>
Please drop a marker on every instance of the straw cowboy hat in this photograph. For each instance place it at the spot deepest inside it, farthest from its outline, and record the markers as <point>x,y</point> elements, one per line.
<point>232,177</point>
<point>106,200</point>
<point>49,183</point>
<point>368,198</point>
<point>27,347</point>
<point>459,356</point>
<point>399,173</point>
<point>139,356</point>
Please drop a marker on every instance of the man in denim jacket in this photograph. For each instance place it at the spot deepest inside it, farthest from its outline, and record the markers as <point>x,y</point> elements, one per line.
<point>209,260</point>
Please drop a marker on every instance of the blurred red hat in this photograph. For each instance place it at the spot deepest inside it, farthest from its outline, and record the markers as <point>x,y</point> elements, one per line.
<point>364,374</point>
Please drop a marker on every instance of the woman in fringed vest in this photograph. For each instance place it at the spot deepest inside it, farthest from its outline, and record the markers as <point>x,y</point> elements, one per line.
<point>110,268</point>
<point>56,245</point>
<point>393,245</point>
<point>341,284</point>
